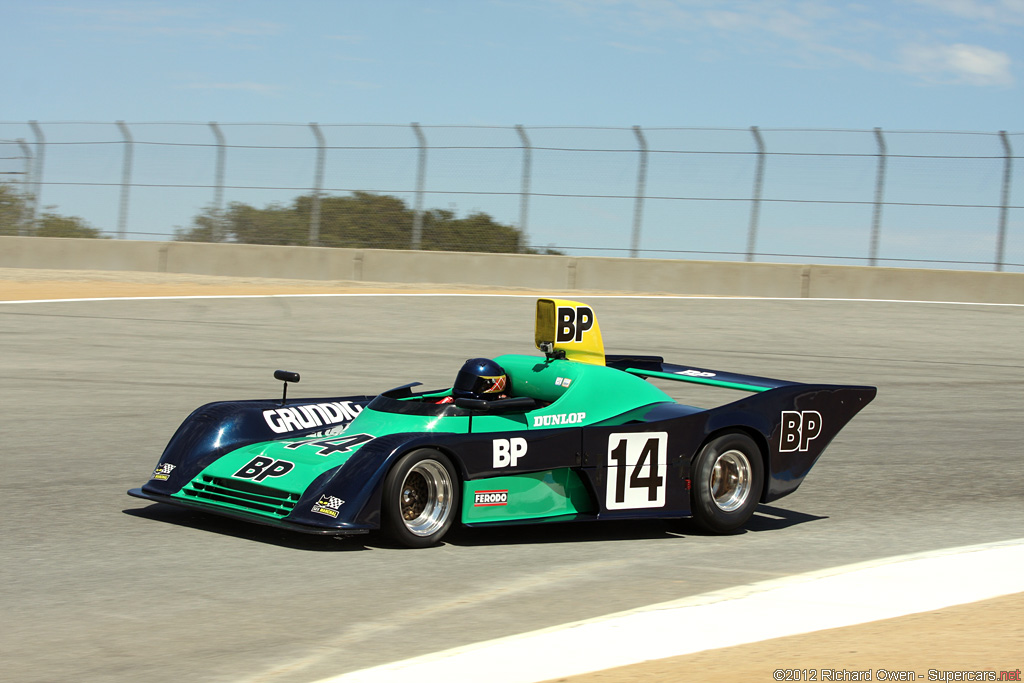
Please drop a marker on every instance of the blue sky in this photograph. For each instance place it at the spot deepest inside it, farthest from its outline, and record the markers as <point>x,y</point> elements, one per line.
<point>909,64</point>
<point>838,68</point>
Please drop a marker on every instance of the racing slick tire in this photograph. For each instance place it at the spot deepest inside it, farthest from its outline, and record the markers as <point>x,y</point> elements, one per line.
<point>728,476</point>
<point>421,498</point>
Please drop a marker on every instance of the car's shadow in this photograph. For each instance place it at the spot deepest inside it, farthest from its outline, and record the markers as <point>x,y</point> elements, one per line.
<point>769,518</point>
<point>201,521</point>
<point>766,518</point>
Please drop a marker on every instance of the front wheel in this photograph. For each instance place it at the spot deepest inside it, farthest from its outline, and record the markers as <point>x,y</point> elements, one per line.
<point>420,498</point>
<point>728,475</point>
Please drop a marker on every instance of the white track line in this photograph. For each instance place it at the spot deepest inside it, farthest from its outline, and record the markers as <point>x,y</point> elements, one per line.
<point>576,295</point>
<point>832,598</point>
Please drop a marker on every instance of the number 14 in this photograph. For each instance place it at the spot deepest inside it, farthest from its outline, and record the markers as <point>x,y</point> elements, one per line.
<point>643,455</point>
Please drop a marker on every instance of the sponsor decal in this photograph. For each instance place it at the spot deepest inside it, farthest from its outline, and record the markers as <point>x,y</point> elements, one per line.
<point>333,431</point>
<point>339,444</point>
<point>260,467</point>
<point>695,373</point>
<point>485,499</point>
<point>163,471</point>
<point>294,418</point>
<point>328,505</point>
<point>563,382</point>
<point>560,419</point>
<point>573,322</point>
<point>799,429</point>
<point>508,451</point>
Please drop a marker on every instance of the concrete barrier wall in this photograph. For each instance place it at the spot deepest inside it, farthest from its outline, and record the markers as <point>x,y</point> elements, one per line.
<point>557,274</point>
<point>716,278</point>
<point>917,284</point>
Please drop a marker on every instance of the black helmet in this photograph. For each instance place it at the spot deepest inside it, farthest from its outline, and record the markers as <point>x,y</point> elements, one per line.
<point>481,378</point>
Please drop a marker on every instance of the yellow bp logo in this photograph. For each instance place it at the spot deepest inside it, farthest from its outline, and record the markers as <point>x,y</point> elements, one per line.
<point>573,323</point>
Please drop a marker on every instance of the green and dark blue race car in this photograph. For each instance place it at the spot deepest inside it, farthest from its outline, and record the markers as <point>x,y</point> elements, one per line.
<point>574,434</point>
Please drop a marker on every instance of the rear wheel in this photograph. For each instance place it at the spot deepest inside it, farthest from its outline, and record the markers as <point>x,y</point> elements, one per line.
<point>421,498</point>
<point>728,475</point>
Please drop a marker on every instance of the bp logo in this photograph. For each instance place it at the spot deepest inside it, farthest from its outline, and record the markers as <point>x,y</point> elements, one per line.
<point>573,322</point>
<point>799,429</point>
<point>260,467</point>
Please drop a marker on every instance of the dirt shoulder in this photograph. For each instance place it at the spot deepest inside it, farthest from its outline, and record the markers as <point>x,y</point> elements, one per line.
<point>983,636</point>
<point>22,284</point>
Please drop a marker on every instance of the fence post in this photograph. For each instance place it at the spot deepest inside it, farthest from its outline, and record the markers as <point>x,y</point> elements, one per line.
<point>218,183</point>
<point>37,181</point>
<point>421,180</point>
<point>1004,204</point>
<point>318,184</point>
<point>755,208</point>
<point>26,193</point>
<point>524,197</point>
<point>876,214</point>
<point>126,179</point>
<point>641,188</point>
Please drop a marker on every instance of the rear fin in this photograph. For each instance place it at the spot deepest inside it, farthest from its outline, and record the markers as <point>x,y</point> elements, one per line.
<point>569,327</point>
<point>655,366</point>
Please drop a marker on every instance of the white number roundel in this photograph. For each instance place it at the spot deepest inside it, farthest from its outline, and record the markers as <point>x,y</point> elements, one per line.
<point>637,465</point>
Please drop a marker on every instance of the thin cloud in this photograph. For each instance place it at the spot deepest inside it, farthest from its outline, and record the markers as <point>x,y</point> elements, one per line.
<point>247,86</point>
<point>352,39</point>
<point>958,63</point>
<point>636,48</point>
<point>128,15</point>
<point>1001,12</point>
<point>163,20</point>
<point>936,41</point>
<point>361,85</point>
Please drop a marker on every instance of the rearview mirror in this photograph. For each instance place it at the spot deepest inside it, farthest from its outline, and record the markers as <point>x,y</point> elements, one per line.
<point>544,331</point>
<point>285,376</point>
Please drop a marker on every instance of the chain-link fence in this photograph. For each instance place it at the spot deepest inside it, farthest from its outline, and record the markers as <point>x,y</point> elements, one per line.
<point>907,198</point>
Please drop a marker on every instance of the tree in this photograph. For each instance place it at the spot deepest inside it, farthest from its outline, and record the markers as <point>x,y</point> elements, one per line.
<point>362,220</point>
<point>15,219</point>
<point>54,225</point>
<point>13,210</point>
<point>442,231</point>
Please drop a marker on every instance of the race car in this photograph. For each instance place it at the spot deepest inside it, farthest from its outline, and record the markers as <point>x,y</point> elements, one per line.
<point>573,434</point>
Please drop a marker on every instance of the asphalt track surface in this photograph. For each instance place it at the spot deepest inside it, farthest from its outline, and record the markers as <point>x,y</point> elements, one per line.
<point>97,586</point>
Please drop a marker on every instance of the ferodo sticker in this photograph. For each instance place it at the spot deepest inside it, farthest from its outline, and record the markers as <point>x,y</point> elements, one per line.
<point>294,418</point>
<point>483,499</point>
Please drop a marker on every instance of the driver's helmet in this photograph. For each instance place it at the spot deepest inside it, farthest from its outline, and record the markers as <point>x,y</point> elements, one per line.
<point>481,378</point>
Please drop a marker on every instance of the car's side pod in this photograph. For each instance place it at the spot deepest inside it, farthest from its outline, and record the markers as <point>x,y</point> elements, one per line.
<point>796,421</point>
